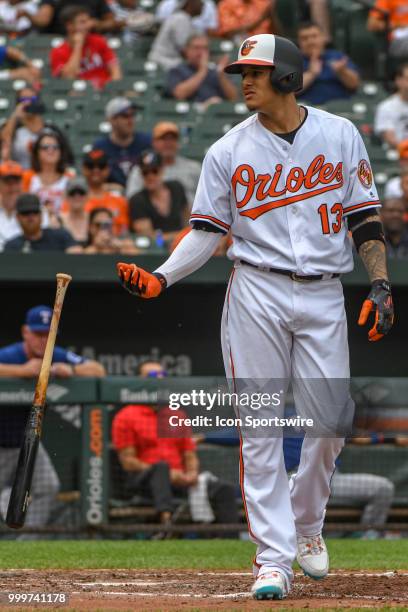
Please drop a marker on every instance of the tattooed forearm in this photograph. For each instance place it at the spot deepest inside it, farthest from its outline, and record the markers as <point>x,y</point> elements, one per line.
<point>374,257</point>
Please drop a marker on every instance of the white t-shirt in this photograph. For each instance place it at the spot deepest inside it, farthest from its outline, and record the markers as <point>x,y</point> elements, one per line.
<point>50,194</point>
<point>8,15</point>
<point>207,20</point>
<point>171,39</point>
<point>392,114</point>
<point>285,203</point>
<point>393,188</point>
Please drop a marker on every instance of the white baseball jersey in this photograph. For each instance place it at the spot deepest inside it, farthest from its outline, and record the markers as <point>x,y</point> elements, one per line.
<point>285,203</point>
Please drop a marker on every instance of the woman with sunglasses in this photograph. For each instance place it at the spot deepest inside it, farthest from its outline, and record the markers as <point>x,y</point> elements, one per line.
<point>49,176</point>
<point>24,126</point>
<point>101,239</point>
<point>73,216</point>
<point>161,208</point>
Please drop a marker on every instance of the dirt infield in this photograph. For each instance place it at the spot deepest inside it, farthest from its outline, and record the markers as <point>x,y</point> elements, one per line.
<point>207,590</point>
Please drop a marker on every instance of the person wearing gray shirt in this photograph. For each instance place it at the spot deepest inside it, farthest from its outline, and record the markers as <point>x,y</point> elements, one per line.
<point>167,47</point>
<point>166,142</point>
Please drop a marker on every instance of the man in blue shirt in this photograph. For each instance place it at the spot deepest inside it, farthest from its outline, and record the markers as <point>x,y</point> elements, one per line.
<point>196,79</point>
<point>329,74</point>
<point>122,145</point>
<point>23,360</point>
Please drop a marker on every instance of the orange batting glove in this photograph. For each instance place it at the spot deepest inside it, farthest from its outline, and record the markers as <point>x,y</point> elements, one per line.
<point>380,300</point>
<point>139,282</point>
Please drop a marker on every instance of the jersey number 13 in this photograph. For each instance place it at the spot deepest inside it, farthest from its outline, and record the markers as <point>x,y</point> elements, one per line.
<point>326,220</point>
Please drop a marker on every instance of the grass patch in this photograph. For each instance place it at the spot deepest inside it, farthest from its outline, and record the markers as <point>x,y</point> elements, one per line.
<point>186,554</point>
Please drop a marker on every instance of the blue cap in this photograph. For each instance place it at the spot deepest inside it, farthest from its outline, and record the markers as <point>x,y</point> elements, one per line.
<point>38,319</point>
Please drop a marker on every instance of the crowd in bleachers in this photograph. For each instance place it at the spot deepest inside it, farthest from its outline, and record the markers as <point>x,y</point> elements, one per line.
<point>107,109</point>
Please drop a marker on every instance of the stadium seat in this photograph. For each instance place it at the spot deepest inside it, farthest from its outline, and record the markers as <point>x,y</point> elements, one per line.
<point>195,150</point>
<point>234,111</point>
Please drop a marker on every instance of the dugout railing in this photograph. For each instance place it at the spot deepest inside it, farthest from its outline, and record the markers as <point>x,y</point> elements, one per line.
<point>78,441</point>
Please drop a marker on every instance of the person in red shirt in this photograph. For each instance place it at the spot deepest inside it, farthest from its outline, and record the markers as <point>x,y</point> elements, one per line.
<point>84,55</point>
<point>160,466</point>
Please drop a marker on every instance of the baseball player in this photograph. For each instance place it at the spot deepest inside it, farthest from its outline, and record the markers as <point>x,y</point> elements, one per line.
<point>290,182</point>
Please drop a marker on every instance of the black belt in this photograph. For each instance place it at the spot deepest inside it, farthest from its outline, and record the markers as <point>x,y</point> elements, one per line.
<point>296,277</point>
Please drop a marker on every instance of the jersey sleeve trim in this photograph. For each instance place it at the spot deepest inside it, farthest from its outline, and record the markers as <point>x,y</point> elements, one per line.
<point>349,209</point>
<point>209,219</point>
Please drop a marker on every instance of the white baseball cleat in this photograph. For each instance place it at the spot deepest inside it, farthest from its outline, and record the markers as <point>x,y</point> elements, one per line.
<point>270,585</point>
<point>312,556</point>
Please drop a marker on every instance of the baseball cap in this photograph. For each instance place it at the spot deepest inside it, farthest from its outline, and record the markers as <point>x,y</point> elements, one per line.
<point>150,159</point>
<point>165,127</point>
<point>28,202</point>
<point>10,168</point>
<point>38,318</point>
<point>257,50</point>
<point>76,184</point>
<point>96,155</point>
<point>119,105</point>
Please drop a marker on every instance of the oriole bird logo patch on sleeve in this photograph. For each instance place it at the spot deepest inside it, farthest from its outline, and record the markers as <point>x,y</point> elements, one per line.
<point>364,173</point>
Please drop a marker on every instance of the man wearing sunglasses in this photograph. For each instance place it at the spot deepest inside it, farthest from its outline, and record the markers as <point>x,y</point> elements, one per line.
<point>33,237</point>
<point>123,144</point>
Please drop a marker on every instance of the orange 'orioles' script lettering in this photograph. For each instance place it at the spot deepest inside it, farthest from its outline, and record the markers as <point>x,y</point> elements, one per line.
<point>317,179</point>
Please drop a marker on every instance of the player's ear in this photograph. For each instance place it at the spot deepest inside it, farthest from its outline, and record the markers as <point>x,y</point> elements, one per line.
<point>24,330</point>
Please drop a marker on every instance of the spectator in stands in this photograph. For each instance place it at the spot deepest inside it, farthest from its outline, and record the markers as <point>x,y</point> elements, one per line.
<point>395,12</point>
<point>23,127</point>
<point>242,18</point>
<point>205,23</point>
<point>23,360</point>
<point>391,118</point>
<point>74,218</point>
<point>95,169</point>
<point>376,493</point>
<point>198,80</point>
<point>318,12</point>
<point>329,74</point>
<point>84,55</point>
<point>166,142</point>
<point>33,236</point>
<point>161,209</point>
<point>123,145</point>
<point>49,16</point>
<point>12,55</point>
<point>397,187</point>
<point>175,31</point>
<point>102,240</point>
<point>11,186</point>
<point>49,175</point>
<point>161,466</point>
<point>132,20</point>
<point>395,228</point>
<point>13,20</point>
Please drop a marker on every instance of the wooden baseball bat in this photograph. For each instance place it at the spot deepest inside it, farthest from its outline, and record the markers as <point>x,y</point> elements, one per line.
<point>20,492</point>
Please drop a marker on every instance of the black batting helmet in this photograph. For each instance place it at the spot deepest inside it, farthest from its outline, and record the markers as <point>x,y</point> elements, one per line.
<point>281,54</point>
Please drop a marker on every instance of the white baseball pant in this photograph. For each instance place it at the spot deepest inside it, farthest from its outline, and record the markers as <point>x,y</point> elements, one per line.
<point>277,328</point>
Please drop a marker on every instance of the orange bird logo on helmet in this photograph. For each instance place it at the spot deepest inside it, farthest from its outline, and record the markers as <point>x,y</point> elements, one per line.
<point>248,46</point>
